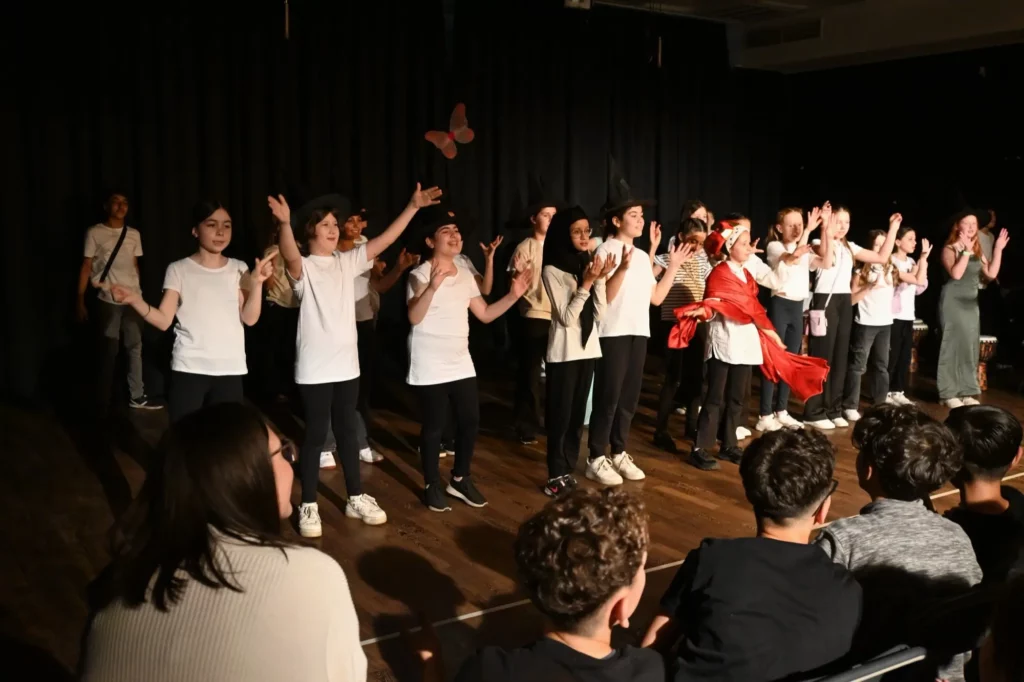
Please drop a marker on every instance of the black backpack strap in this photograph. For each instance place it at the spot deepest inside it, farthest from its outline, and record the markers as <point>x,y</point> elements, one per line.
<point>113,254</point>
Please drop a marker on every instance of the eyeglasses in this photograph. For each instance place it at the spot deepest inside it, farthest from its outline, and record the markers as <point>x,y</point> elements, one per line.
<point>288,450</point>
<point>585,232</point>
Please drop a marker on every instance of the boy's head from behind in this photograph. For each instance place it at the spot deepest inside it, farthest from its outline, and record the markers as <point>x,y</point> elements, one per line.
<point>581,559</point>
<point>787,476</point>
<point>903,454</point>
<point>990,438</point>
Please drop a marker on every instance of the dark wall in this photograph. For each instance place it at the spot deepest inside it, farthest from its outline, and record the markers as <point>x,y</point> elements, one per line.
<point>176,101</point>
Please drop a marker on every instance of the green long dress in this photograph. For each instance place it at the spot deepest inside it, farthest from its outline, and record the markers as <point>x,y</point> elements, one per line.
<point>957,373</point>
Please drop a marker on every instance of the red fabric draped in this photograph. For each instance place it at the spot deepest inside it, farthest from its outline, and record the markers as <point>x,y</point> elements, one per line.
<point>737,301</point>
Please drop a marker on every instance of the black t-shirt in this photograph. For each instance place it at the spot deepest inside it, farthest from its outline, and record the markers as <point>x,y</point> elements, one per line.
<point>760,609</point>
<point>998,539</point>
<point>547,660</point>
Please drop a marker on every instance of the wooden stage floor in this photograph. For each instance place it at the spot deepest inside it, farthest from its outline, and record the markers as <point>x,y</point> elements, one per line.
<point>62,490</point>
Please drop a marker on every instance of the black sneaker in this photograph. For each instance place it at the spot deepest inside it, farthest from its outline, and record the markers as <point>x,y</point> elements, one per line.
<point>557,486</point>
<point>143,403</point>
<point>700,458</point>
<point>467,492</point>
<point>733,454</point>
<point>434,498</point>
<point>665,442</point>
<point>571,481</point>
<point>447,449</point>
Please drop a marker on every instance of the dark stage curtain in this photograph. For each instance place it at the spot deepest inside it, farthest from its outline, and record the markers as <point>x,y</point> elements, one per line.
<point>178,101</point>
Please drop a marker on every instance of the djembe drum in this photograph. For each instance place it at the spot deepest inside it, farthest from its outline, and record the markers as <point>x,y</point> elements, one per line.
<point>805,340</point>
<point>987,350</point>
<point>920,331</point>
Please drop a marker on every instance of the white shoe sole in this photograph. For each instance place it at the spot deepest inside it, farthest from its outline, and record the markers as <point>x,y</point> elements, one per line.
<point>639,476</point>
<point>311,532</point>
<point>353,514</point>
<point>455,493</point>
<point>594,477</point>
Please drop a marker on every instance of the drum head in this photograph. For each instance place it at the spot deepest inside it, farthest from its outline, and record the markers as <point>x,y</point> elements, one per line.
<point>989,339</point>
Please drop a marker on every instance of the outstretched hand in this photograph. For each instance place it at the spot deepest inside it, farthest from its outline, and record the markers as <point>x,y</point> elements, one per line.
<point>753,247</point>
<point>122,294</point>
<point>814,219</point>
<point>655,234</point>
<point>406,260</point>
<point>279,208</point>
<point>264,269</point>
<point>926,248</point>
<point>774,336</point>
<point>439,273</point>
<point>489,249</point>
<point>421,198</point>
<point>801,251</point>
<point>521,282</point>
<point>697,313</point>
<point>680,253</point>
<point>1002,240</point>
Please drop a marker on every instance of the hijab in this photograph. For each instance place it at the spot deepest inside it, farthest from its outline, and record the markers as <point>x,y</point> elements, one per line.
<point>560,252</point>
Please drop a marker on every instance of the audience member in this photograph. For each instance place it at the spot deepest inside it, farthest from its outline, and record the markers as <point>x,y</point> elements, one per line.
<point>990,513</point>
<point>770,606</point>
<point>905,556</point>
<point>204,586</point>
<point>1002,657</point>
<point>581,560</point>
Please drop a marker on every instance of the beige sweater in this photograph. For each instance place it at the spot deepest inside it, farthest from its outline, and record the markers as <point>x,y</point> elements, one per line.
<point>294,621</point>
<point>534,303</point>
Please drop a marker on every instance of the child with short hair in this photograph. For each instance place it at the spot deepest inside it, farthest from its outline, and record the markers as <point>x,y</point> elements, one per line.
<point>990,513</point>
<point>771,606</point>
<point>904,555</point>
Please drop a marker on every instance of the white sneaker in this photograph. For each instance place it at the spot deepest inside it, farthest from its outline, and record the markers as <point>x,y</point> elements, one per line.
<point>768,423</point>
<point>742,433</point>
<point>681,410</point>
<point>365,508</point>
<point>327,460</point>
<point>787,421</point>
<point>971,401</point>
<point>841,423</point>
<point>309,520</point>
<point>953,402</point>
<point>823,424</point>
<point>624,465</point>
<point>369,455</point>
<point>902,399</point>
<point>603,471</point>
<point>851,415</point>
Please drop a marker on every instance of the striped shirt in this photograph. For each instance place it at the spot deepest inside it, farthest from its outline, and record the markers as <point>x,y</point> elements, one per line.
<point>687,285</point>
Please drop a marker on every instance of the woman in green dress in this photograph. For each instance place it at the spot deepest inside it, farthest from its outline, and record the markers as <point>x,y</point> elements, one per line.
<point>958,308</point>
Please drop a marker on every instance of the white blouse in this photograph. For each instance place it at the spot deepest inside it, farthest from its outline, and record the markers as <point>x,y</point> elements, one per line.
<point>629,313</point>
<point>732,342</point>
<point>565,341</point>
<point>836,279</point>
<point>439,344</point>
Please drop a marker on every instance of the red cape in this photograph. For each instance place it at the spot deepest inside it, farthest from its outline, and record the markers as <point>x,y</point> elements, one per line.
<point>737,301</point>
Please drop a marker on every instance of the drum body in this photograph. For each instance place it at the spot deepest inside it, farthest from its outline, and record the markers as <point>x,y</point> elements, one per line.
<point>987,350</point>
<point>920,331</point>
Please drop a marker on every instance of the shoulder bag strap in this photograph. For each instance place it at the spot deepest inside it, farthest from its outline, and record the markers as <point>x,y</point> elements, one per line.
<point>113,254</point>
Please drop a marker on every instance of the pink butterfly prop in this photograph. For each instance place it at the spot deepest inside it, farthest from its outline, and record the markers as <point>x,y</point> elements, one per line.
<point>459,131</point>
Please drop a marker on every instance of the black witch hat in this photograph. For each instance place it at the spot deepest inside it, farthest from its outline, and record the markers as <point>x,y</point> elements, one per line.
<point>303,202</point>
<point>426,223</point>
<point>620,194</point>
<point>538,196</point>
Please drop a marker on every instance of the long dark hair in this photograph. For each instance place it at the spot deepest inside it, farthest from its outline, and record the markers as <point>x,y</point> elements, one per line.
<point>212,476</point>
<point>203,209</point>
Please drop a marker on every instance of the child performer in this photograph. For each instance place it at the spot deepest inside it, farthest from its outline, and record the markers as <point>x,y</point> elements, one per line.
<point>790,256</point>
<point>739,335</point>
<point>439,294</point>
<point>913,280</point>
<point>327,357</point>
<point>204,293</point>
<point>576,289</point>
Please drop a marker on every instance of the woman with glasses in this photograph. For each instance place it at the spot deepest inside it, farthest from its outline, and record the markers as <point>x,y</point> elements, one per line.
<point>204,585</point>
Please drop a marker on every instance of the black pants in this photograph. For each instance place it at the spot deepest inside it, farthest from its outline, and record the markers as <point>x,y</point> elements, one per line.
<point>834,347</point>
<point>618,379</point>
<point>333,404</point>
<point>275,350</point>
<point>531,347</point>
<point>567,389</point>
<point>725,395</point>
<point>189,392</point>
<point>788,318</point>
<point>367,340</point>
<point>900,348</point>
<point>684,381</point>
<point>434,402</point>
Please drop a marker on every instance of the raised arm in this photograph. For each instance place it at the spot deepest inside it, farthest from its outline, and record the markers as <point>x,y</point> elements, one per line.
<point>991,270</point>
<point>286,245</point>
<point>955,258</point>
<point>160,317</point>
<point>421,198</point>
<point>488,313</point>
<point>423,292</point>
<point>814,219</point>
<point>677,255</point>
<point>251,298</point>
<point>919,273</point>
<point>882,256</point>
<point>486,282</point>
<point>655,231</point>
<point>384,283</point>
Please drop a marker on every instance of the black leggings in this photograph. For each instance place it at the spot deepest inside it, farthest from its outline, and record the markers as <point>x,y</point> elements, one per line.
<point>618,379</point>
<point>900,348</point>
<point>190,392</point>
<point>788,318</point>
<point>333,404</point>
<point>834,347</point>
<point>567,387</point>
<point>434,401</point>
<point>367,348</point>
<point>726,396</point>
<point>532,346</point>
<point>684,380</point>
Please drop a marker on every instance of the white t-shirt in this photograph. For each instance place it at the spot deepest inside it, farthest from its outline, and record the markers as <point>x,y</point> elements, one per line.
<point>734,342</point>
<point>903,307</point>
<point>439,344</point>
<point>875,309</point>
<point>326,344</point>
<point>463,261</point>
<point>100,241</point>
<point>367,298</point>
<point>836,280</point>
<point>628,314</point>
<point>208,335</point>
<point>797,276</point>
